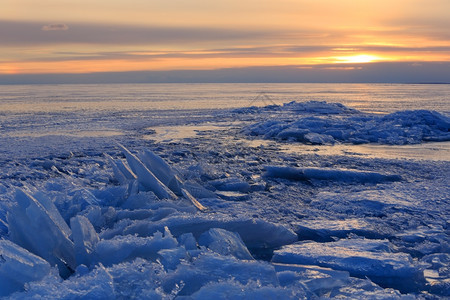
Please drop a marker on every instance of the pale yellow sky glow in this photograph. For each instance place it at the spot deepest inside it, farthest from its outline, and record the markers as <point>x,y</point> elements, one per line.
<point>55,36</point>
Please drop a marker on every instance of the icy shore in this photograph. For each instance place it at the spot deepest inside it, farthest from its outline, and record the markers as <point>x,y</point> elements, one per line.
<point>213,216</point>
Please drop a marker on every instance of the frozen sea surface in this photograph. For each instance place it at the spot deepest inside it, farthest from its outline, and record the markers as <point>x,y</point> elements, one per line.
<point>202,191</point>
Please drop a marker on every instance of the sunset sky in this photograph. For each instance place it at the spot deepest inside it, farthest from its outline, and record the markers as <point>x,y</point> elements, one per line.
<point>227,39</point>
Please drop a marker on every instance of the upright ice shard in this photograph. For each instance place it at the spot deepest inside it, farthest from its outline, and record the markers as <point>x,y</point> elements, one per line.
<point>146,177</point>
<point>121,172</point>
<point>39,230</point>
<point>161,170</point>
<point>85,239</point>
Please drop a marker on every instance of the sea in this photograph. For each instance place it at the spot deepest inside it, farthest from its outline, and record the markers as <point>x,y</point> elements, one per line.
<point>374,98</point>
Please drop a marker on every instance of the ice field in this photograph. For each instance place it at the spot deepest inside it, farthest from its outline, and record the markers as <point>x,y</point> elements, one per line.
<point>206,191</point>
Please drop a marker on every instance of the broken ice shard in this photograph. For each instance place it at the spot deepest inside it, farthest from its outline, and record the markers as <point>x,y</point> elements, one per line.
<point>146,178</point>
<point>85,239</point>
<point>18,266</point>
<point>37,229</point>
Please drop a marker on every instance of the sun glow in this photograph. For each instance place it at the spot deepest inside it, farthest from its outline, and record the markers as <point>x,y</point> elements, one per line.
<point>354,59</point>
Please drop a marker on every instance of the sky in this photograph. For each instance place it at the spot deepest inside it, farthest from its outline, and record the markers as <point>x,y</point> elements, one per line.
<point>224,41</point>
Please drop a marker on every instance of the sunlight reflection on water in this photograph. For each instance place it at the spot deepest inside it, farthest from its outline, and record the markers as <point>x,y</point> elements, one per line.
<point>427,151</point>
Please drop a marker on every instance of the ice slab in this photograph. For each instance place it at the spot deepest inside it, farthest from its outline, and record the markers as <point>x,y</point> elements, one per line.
<point>366,289</point>
<point>211,267</point>
<point>233,196</point>
<point>37,229</point>
<point>162,171</point>
<point>231,289</point>
<point>18,266</point>
<point>293,173</point>
<point>231,184</point>
<point>97,284</point>
<point>360,257</point>
<point>129,247</point>
<point>323,230</point>
<point>53,212</point>
<point>317,279</point>
<point>255,233</point>
<point>146,177</point>
<point>85,239</point>
<point>224,242</point>
<point>121,171</point>
<point>194,201</point>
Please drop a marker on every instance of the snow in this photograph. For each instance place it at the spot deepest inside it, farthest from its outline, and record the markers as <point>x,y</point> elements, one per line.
<point>215,215</point>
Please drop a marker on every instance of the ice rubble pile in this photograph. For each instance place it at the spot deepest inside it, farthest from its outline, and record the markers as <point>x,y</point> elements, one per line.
<point>150,237</point>
<point>328,123</point>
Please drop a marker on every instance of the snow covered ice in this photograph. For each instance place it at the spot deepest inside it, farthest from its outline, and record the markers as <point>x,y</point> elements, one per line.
<point>225,214</point>
<point>321,123</point>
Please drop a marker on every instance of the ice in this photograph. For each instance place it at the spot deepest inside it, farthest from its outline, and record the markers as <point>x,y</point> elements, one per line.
<point>53,212</point>
<point>121,171</point>
<point>211,267</point>
<point>210,215</point>
<point>161,170</point>
<point>293,173</point>
<point>317,279</point>
<point>366,289</point>
<point>319,139</point>
<point>255,233</point>
<point>224,242</point>
<point>146,177</point>
<point>157,176</point>
<point>231,184</point>
<point>324,230</point>
<point>322,126</point>
<point>194,201</point>
<point>85,239</point>
<point>188,241</point>
<point>423,240</point>
<point>437,273</point>
<point>319,107</point>
<point>97,284</point>
<point>171,258</point>
<point>18,266</point>
<point>128,247</point>
<point>141,200</point>
<point>3,228</point>
<point>360,257</point>
<point>233,196</point>
<point>36,229</point>
<point>253,290</point>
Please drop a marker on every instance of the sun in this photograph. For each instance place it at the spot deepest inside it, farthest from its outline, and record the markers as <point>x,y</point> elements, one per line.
<point>354,59</point>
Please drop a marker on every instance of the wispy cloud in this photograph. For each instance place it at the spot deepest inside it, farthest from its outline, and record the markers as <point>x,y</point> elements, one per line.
<point>25,33</point>
<point>280,51</point>
<point>55,27</point>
